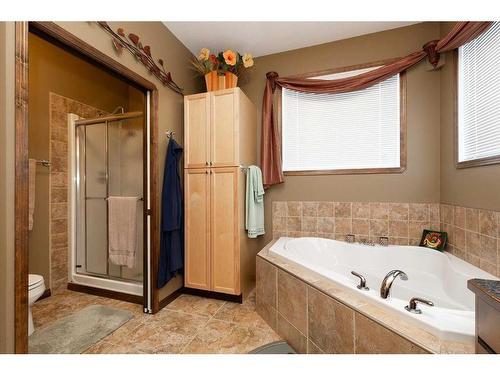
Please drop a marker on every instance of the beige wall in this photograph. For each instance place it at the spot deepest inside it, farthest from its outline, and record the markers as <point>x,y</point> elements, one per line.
<point>420,182</point>
<point>7,82</point>
<point>477,187</point>
<point>170,115</point>
<point>52,69</point>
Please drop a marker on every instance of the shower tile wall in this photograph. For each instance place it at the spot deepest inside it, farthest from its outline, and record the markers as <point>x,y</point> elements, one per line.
<point>60,106</point>
<point>473,234</point>
<point>401,222</point>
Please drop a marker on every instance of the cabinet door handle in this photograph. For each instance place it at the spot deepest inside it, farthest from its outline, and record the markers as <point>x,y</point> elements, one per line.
<point>206,172</point>
<point>206,163</point>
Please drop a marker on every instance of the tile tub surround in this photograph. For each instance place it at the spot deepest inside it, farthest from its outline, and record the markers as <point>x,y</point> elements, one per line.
<point>401,222</point>
<point>60,106</point>
<point>473,235</point>
<point>315,314</point>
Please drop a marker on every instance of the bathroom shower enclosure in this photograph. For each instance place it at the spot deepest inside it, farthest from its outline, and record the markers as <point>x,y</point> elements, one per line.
<point>54,33</point>
<point>106,159</point>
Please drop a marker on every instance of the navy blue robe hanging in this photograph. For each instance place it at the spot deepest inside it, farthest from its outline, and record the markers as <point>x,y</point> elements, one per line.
<point>172,222</point>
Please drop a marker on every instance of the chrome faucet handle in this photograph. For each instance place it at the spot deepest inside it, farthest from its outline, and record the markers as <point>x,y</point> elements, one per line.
<point>412,305</point>
<point>362,281</point>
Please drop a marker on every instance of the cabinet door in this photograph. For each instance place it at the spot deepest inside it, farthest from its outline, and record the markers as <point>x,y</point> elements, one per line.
<point>224,230</point>
<point>223,151</point>
<point>197,130</point>
<point>197,228</point>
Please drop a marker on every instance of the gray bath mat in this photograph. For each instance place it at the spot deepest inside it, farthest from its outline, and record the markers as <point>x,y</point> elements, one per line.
<point>79,331</point>
<point>277,347</point>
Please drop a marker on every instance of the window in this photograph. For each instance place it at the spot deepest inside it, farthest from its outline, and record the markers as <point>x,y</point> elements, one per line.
<point>479,100</point>
<point>354,132</point>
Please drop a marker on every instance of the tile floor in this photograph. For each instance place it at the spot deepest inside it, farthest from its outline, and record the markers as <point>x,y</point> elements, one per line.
<point>189,324</point>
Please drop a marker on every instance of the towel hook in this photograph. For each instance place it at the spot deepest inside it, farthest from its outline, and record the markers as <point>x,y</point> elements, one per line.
<point>169,133</point>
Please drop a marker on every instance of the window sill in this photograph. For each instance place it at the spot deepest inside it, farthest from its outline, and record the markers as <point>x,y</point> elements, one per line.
<point>346,171</point>
<point>478,162</point>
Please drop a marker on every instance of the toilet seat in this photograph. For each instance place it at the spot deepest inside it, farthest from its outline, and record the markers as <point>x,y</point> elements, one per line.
<point>36,288</point>
<point>34,281</point>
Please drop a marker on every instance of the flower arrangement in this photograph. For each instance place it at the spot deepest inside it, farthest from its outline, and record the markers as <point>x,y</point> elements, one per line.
<point>206,62</point>
<point>228,63</point>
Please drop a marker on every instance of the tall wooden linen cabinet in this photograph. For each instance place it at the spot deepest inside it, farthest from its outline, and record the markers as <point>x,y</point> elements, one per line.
<point>219,138</point>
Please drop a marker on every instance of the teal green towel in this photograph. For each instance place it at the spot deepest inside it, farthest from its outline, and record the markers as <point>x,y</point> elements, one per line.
<point>254,202</point>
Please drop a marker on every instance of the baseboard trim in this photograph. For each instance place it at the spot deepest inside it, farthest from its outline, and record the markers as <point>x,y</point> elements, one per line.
<point>171,298</point>
<point>45,294</point>
<point>106,293</point>
<point>213,295</point>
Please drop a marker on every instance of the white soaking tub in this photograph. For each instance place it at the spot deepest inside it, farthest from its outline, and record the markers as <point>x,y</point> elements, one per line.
<point>438,277</point>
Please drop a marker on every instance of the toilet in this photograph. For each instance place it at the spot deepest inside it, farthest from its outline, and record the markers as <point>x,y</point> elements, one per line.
<point>36,287</point>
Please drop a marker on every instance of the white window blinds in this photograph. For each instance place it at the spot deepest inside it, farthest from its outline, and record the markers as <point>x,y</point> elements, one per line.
<point>479,96</point>
<point>354,130</point>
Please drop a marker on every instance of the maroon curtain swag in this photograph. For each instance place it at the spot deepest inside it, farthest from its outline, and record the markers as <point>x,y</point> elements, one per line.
<point>272,172</point>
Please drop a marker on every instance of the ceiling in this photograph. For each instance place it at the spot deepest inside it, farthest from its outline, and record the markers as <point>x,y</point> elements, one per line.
<point>264,38</point>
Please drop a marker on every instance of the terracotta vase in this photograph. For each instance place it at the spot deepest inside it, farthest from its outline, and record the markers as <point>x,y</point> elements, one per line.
<point>231,80</point>
<point>222,82</point>
<point>212,81</point>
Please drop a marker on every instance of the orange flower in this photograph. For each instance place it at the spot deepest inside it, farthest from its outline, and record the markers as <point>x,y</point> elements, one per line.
<point>229,57</point>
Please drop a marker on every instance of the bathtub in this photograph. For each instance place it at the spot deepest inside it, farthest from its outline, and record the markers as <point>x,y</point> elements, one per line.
<point>438,277</point>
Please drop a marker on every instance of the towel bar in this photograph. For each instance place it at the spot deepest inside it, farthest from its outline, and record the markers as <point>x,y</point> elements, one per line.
<point>106,198</point>
<point>43,162</point>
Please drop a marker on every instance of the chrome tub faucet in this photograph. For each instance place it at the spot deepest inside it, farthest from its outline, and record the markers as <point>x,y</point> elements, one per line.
<point>385,287</point>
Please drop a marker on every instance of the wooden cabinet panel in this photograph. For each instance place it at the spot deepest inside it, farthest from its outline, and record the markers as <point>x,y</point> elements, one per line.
<point>224,230</point>
<point>219,134</point>
<point>488,324</point>
<point>197,130</point>
<point>223,129</point>
<point>197,228</point>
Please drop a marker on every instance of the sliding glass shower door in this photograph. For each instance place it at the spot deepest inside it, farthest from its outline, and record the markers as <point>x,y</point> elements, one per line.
<point>109,158</point>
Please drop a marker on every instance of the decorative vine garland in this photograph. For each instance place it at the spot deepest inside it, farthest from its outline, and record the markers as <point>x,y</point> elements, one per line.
<point>141,53</point>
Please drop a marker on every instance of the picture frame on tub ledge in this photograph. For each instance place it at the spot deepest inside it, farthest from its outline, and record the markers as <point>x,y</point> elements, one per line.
<point>433,239</point>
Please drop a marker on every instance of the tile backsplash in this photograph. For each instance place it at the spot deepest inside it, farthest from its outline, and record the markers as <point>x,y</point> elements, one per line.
<point>473,234</point>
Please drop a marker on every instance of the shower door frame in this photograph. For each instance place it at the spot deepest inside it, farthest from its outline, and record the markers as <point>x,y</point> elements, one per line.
<point>80,184</point>
<point>61,37</point>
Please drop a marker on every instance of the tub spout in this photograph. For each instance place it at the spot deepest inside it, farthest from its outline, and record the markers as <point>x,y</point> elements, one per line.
<point>385,288</point>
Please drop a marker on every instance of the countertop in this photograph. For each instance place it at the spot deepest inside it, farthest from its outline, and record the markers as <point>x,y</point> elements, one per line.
<point>486,289</point>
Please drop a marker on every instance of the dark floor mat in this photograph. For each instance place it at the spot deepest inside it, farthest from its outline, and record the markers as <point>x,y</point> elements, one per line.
<point>277,347</point>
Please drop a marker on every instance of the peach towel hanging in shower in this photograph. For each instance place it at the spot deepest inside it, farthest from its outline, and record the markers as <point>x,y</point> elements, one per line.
<point>122,230</point>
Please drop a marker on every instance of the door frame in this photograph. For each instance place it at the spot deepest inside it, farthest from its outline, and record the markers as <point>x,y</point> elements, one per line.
<point>62,37</point>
